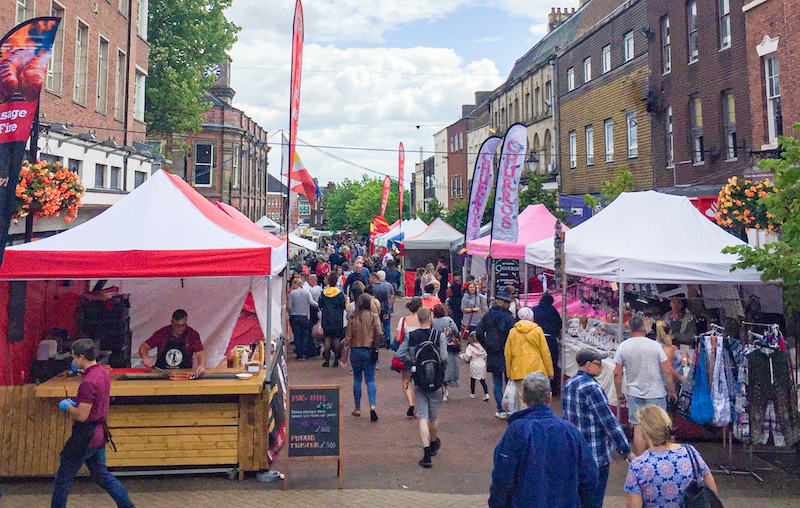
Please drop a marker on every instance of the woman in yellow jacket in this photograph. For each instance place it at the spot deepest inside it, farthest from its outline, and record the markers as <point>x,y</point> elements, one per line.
<point>526,351</point>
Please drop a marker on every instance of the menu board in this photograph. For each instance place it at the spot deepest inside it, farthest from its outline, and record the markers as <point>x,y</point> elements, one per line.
<point>314,421</point>
<point>506,273</point>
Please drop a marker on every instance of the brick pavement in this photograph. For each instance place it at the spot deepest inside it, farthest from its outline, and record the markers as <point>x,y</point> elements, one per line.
<point>380,463</point>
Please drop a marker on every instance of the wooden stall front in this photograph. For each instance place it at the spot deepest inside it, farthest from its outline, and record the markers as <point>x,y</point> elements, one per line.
<point>155,423</point>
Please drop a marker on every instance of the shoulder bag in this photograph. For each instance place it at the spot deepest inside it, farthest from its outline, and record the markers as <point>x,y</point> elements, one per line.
<point>698,494</point>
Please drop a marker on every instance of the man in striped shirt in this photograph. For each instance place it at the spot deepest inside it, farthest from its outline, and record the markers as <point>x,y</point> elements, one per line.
<point>585,405</point>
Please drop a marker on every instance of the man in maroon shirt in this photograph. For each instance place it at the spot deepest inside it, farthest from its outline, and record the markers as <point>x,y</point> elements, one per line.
<point>177,344</point>
<point>89,412</point>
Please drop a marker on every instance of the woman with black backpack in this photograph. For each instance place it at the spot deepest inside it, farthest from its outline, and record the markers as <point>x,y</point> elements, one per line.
<point>426,350</point>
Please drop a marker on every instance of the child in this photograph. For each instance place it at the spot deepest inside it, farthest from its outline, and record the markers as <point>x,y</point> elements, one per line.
<point>475,355</point>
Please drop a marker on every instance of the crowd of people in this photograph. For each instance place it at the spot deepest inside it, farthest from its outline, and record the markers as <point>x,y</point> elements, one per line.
<point>542,459</point>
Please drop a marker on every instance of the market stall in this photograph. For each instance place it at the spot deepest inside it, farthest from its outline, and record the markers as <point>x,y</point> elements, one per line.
<point>408,228</point>
<point>163,246</point>
<point>426,247</point>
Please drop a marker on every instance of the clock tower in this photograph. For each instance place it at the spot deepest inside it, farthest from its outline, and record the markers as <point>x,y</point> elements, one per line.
<point>222,86</point>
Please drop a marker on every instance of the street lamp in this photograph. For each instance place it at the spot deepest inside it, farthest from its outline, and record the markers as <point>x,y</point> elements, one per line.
<point>532,162</point>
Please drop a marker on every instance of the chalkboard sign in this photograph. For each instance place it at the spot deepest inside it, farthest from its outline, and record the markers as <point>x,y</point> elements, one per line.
<point>506,273</point>
<point>314,421</point>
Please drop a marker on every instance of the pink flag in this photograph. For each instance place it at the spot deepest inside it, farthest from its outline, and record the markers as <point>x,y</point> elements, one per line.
<point>387,185</point>
<point>481,186</point>
<point>294,98</point>
<point>401,161</point>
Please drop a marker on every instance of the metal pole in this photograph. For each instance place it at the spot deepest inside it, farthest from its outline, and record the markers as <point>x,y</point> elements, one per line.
<point>621,327</point>
<point>563,346</point>
<point>268,338</point>
<point>525,283</point>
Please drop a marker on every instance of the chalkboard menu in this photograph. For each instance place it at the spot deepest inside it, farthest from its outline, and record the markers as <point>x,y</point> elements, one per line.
<point>506,273</point>
<point>314,421</point>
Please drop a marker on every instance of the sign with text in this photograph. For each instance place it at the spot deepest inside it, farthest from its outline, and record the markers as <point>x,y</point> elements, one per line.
<point>314,421</point>
<point>506,273</point>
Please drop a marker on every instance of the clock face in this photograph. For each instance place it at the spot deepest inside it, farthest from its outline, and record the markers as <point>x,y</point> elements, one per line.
<point>212,70</point>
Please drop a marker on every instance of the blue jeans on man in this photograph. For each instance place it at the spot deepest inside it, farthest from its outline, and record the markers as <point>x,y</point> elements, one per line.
<point>387,331</point>
<point>498,386</point>
<point>594,498</point>
<point>95,460</point>
<point>301,329</point>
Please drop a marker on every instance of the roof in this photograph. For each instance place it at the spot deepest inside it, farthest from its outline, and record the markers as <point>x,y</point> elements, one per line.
<point>275,185</point>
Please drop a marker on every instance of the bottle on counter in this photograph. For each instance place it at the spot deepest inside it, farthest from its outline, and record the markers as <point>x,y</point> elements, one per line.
<point>243,358</point>
<point>235,359</point>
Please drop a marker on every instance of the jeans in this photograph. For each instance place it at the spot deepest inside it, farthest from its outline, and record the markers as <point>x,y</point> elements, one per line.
<point>362,367</point>
<point>498,386</point>
<point>95,459</point>
<point>387,331</point>
<point>301,329</point>
<point>594,497</point>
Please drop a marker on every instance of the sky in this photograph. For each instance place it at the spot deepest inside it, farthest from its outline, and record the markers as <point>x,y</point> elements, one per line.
<point>375,73</point>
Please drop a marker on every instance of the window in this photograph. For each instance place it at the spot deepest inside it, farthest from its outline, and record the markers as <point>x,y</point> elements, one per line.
<point>666,50</point>
<point>691,25</point>
<point>81,63</point>
<point>627,45</point>
<point>633,135</point>
<point>235,167</point>
<point>138,96</point>
<point>724,24</point>
<point>589,136</point>
<point>102,77</point>
<point>773,91</point>
<point>608,132</point>
<point>114,181</point>
<point>670,140</point>
<point>696,111</point>
<point>52,159</point>
<point>55,69</point>
<point>139,177</point>
<point>587,69</point>
<point>606,58</point>
<point>203,160</point>
<point>25,9</point>
<point>573,150</point>
<point>537,101</point>
<point>100,176</point>
<point>141,19</point>
<point>123,7</point>
<point>570,79</point>
<point>729,123</point>
<point>76,166</point>
<point>548,93</point>
<point>121,83</point>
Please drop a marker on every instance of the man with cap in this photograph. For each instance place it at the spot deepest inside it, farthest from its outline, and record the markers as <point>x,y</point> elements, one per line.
<point>492,333</point>
<point>584,404</point>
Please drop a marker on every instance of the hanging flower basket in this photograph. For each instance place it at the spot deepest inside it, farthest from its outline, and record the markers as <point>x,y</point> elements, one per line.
<point>47,190</point>
<point>739,205</point>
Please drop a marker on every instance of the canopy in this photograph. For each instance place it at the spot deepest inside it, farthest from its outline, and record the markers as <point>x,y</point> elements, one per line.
<point>535,223</point>
<point>269,224</point>
<point>409,228</point>
<point>301,242</point>
<point>647,237</point>
<point>164,228</point>
<point>437,235</point>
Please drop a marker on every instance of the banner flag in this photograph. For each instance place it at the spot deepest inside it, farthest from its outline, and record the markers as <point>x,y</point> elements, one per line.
<point>379,225</point>
<point>505,226</point>
<point>277,404</point>
<point>401,162</point>
<point>387,186</point>
<point>24,54</point>
<point>481,186</point>
<point>294,100</point>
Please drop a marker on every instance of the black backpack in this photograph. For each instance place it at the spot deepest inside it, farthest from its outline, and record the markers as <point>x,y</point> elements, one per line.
<point>429,368</point>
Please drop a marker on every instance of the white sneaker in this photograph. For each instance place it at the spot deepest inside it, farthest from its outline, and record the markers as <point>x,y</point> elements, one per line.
<point>485,396</point>
<point>444,398</point>
<point>471,395</point>
<point>502,415</point>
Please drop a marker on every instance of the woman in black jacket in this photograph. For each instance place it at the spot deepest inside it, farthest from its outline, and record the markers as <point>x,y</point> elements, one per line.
<point>333,304</point>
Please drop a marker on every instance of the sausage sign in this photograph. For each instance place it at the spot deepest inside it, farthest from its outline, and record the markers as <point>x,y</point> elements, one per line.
<point>24,54</point>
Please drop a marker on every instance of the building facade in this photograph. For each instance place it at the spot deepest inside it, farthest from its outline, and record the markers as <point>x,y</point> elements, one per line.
<point>456,162</point>
<point>440,168</point>
<point>277,200</point>
<point>226,160</point>
<point>429,186</point>
<point>699,94</point>
<point>92,102</point>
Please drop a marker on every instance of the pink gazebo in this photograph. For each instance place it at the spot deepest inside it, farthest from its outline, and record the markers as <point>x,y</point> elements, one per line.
<point>535,223</point>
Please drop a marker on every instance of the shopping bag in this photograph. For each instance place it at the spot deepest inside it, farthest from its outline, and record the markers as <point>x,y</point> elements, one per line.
<point>510,397</point>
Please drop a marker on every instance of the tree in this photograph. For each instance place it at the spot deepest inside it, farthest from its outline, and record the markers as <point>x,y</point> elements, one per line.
<point>434,211</point>
<point>186,37</point>
<point>353,204</point>
<point>780,260</point>
<point>457,215</point>
<point>611,189</point>
<point>533,193</point>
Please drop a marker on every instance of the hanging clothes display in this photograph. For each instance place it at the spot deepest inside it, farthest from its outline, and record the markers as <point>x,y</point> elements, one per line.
<point>771,399</point>
<point>719,385</point>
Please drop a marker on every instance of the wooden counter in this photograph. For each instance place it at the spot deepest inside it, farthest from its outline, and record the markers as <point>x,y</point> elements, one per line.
<point>154,423</point>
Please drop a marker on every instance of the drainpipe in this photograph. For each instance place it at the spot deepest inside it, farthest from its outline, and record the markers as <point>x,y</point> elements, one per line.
<point>556,138</point>
<point>125,119</point>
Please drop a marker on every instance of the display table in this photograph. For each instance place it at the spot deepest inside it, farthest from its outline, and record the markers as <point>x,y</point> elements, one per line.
<point>606,378</point>
<point>154,422</point>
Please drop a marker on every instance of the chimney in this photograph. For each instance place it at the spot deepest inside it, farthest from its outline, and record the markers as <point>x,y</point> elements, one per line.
<point>558,16</point>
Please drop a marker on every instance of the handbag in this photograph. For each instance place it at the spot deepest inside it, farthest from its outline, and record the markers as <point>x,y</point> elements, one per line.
<point>397,364</point>
<point>702,409</point>
<point>373,358</point>
<point>698,494</point>
<point>453,340</point>
<point>465,327</point>
<point>509,402</point>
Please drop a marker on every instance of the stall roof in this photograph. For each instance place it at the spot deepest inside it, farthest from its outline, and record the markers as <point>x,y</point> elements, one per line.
<point>437,235</point>
<point>409,228</point>
<point>164,228</point>
<point>645,237</point>
<point>535,223</point>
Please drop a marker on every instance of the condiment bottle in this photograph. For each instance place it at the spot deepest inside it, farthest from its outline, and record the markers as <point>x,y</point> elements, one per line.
<point>235,359</point>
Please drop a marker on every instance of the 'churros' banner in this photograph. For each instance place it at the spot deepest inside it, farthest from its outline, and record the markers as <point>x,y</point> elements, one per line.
<point>24,54</point>
<point>481,187</point>
<point>506,192</point>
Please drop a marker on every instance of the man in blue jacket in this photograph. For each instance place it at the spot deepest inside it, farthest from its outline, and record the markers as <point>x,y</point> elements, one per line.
<point>542,460</point>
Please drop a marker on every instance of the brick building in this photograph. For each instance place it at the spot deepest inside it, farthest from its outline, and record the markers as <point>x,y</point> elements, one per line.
<point>277,199</point>
<point>456,162</point>
<point>92,104</point>
<point>772,60</point>
<point>699,94</point>
<point>602,89</point>
<point>227,159</point>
